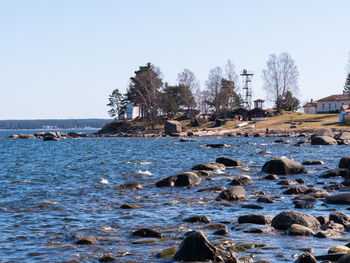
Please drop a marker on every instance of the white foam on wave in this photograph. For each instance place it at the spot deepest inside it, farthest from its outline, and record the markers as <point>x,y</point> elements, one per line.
<point>143,172</point>
<point>104,181</point>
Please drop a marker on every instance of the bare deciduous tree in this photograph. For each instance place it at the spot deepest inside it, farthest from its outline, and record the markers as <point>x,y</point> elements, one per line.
<point>280,76</point>
<point>188,84</point>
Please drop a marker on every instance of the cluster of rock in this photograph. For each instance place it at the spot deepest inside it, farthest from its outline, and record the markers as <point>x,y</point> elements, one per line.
<point>49,136</point>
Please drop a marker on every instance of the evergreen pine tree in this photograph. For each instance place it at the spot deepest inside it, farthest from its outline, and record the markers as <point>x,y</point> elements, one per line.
<point>347,85</point>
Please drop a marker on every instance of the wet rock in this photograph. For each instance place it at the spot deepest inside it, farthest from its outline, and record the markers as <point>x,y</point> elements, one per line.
<point>188,179</point>
<point>306,258</point>
<point>258,230</point>
<point>340,218</point>
<point>265,152</point>
<point>229,161</point>
<point>210,167</point>
<point>147,232</point>
<point>323,219</point>
<point>323,140</point>
<point>287,218</point>
<point>127,206</point>
<point>216,145</point>
<point>345,162</point>
<point>252,206</point>
<point>296,190</point>
<point>316,192</point>
<point>299,230</point>
<point>271,177</point>
<point>334,173</point>
<point>107,258</point>
<point>129,186</point>
<point>86,241</point>
<point>343,198</point>
<point>301,180</point>
<point>221,232</point>
<point>315,162</point>
<point>344,258</point>
<point>242,180</point>
<point>307,198</point>
<point>338,249</point>
<point>283,165</point>
<point>212,189</point>
<point>234,193</point>
<point>215,226</point>
<point>172,127</point>
<point>333,226</point>
<point>328,233</point>
<point>331,257</point>
<point>287,182</point>
<point>51,139</point>
<point>303,204</point>
<point>263,199</point>
<point>196,247</point>
<point>195,219</point>
<point>255,219</point>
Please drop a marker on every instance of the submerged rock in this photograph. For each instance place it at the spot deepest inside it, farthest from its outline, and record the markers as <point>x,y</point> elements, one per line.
<point>195,219</point>
<point>188,179</point>
<point>283,165</point>
<point>287,218</point>
<point>147,232</point>
<point>216,145</point>
<point>315,162</point>
<point>296,190</point>
<point>129,186</point>
<point>229,161</point>
<point>210,167</point>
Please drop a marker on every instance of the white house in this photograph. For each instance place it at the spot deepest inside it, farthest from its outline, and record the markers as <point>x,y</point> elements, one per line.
<point>332,103</point>
<point>310,107</point>
<point>132,111</point>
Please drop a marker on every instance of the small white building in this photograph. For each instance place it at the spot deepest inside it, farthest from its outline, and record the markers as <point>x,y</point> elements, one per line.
<point>332,103</point>
<point>310,107</point>
<point>132,111</point>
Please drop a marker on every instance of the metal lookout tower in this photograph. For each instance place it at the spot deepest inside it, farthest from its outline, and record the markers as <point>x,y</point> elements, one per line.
<point>247,88</point>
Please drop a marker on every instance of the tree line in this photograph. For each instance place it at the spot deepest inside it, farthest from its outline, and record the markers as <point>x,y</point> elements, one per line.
<point>60,124</point>
<point>148,90</point>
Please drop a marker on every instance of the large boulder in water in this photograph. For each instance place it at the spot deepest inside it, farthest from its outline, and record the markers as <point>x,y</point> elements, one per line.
<point>234,193</point>
<point>171,127</point>
<point>181,179</point>
<point>323,140</point>
<point>287,218</point>
<point>343,199</point>
<point>283,165</point>
<point>196,247</point>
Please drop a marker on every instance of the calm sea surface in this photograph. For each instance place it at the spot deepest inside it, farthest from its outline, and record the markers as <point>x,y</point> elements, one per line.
<point>53,192</point>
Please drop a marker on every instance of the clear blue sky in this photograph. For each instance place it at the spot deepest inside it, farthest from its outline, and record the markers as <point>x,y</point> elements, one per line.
<point>61,59</point>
